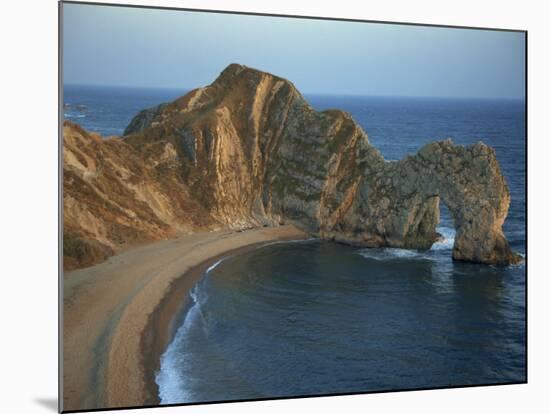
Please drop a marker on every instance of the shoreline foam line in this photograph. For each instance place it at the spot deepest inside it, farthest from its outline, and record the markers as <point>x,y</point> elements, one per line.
<point>212,267</point>
<point>166,380</point>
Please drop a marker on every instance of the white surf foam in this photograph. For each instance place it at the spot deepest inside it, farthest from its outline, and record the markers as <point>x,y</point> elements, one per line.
<point>212,267</point>
<point>448,239</point>
<point>173,386</point>
<point>446,243</point>
<point>394,254</point>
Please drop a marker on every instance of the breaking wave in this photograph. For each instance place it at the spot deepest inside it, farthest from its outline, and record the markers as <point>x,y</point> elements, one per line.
<point>173,387</point>
<point>445,244</point>
<point>212,267</point>
<point>447,241</point>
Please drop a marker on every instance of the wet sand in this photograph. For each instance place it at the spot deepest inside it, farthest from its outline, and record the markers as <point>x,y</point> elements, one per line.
<point>117,314</point>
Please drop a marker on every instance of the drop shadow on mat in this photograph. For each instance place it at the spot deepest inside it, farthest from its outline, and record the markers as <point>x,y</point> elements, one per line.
<point>49,403</point>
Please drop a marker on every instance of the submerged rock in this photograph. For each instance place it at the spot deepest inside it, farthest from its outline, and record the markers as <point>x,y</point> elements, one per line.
<point>248,150</point>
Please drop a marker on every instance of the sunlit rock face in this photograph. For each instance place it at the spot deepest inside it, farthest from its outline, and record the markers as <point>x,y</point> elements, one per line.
<point>249,151</point>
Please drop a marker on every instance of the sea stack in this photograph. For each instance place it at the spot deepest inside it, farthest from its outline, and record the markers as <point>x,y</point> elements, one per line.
<point>249,151</point>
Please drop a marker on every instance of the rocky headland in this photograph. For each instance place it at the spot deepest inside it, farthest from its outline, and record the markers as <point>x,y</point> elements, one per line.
<point>248,151</point>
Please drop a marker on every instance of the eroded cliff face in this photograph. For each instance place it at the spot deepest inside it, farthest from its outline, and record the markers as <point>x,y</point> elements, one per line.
<point>248,151</point>
<point>117,195</point>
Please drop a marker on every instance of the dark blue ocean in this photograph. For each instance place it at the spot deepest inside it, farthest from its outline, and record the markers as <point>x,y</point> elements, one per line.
<point>315,317</point>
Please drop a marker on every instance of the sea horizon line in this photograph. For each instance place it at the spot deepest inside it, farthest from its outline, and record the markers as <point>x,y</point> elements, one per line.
<point>328,94</point>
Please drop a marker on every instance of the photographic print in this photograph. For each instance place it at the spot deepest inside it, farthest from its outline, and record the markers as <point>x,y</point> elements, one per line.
<point>263,206</point>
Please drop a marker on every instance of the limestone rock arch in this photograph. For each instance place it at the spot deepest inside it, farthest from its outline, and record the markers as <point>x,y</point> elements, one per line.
<point>400,205</point>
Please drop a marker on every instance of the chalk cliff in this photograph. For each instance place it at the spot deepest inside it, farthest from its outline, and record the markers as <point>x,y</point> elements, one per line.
<point>249,151</point>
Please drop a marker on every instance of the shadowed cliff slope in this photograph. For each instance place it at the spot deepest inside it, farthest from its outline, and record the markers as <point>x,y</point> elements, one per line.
<point>248,151</point>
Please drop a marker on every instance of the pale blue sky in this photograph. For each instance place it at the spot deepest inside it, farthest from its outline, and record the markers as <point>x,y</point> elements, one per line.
<point>178,49</point>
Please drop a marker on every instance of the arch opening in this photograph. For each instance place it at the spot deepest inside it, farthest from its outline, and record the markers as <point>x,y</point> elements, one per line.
<point>445,229</point>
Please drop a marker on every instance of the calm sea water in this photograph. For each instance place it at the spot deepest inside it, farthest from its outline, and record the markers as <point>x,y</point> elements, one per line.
<point>109,110</point>
<point>319,318</point>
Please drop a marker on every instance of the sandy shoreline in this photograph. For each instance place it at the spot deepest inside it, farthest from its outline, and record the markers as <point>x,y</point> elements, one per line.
<point>117,315</point>
<point>162,324</point>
